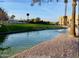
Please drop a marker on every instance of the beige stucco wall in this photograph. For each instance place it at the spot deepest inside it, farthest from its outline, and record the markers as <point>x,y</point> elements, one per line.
<point>69,18</point>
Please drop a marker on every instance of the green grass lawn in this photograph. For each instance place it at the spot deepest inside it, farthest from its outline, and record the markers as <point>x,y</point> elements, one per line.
<point>27,27</point>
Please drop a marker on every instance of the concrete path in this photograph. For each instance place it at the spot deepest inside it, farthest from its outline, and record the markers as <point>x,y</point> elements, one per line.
<point>62,46</point>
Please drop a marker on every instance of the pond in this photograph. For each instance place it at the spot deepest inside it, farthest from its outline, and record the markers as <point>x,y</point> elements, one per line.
<point>13,43</point>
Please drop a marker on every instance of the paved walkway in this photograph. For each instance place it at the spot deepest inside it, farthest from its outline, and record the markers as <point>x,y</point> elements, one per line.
<point>63,46</point>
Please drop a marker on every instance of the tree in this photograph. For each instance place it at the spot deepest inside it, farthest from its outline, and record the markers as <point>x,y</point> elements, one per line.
<point>27,17</point>
<point>38,19</point>
<point>72,27</point>
<point>78,13</point>
<point>65,16</point>
<point>3,15</point>
<point>33,20</point>
<point>39,1</point>
<point>74,3</point>
<point>12,16</point>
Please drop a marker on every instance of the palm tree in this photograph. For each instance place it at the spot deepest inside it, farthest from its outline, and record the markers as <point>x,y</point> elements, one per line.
<point>36,1</point>
<point>78,13</point>
<point>65,16</point>
<point>78,17</point>
<point>72,27</point>
<point>28,16</point>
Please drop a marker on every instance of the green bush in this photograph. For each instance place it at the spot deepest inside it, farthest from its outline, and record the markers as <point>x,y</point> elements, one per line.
<point>3,28</point>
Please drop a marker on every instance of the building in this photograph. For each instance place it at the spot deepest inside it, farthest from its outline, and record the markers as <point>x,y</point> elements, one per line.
<point>16,21</point>
<point>62,22</point>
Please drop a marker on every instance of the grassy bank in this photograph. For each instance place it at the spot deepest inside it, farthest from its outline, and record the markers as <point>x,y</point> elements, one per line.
<point>27,27</point>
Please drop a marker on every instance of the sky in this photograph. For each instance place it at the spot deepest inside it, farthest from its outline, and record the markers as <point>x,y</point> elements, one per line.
<point>47,11</point>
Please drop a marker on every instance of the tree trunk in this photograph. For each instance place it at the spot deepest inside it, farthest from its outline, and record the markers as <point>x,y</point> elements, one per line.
<point>65,16</point>
<point>78,13</point>
<point>65,9</point>
<point>72,27</point>
<point>78,19</point>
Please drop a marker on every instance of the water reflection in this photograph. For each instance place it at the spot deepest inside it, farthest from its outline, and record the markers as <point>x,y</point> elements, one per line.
<point>2,38</point>
<point>14,43</point>
<point>3,50</point>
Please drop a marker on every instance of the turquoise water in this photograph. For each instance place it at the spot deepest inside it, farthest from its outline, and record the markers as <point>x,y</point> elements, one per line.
<point>14,43</point>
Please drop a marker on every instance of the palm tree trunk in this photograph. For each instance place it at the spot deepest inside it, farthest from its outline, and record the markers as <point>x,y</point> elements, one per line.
<point>78,13</point>
<point>65,16</point>
<point>72,27</point>
<point>78,19</point>
<point>65,9</point>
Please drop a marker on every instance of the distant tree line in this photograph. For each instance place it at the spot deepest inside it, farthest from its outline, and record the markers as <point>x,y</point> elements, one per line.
<point>39,21</point>
<point>4,17</point>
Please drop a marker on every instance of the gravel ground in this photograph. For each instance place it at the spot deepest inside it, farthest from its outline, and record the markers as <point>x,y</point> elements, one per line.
<point>62,46</point>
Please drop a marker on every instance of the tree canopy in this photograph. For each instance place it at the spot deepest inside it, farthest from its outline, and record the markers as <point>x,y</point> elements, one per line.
<point>12,16</point>
<point>40,1</point>
<point>3,15</point>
